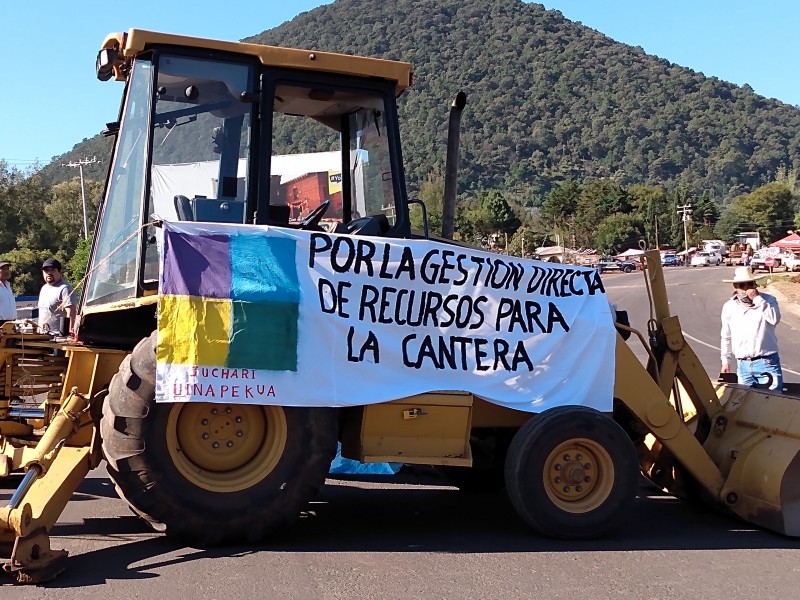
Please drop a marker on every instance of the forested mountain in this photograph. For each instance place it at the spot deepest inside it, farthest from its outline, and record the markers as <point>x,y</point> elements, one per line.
<point>568,137</point>
<point>548,100</point>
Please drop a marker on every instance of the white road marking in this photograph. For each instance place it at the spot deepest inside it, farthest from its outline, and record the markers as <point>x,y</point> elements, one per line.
<point>717,348</point>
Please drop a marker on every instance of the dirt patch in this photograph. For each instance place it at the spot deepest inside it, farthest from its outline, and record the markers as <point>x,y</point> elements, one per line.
<point>786,288</point>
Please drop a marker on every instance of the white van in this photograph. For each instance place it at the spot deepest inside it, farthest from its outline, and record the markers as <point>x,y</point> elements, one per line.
<point>717,246</point>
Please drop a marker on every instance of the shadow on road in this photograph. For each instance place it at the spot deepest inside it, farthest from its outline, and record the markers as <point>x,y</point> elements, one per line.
<point>120,562</point>
<point>411,514</point>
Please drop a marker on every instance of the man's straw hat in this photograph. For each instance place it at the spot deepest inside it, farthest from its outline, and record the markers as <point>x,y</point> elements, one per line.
<point>742,275</point>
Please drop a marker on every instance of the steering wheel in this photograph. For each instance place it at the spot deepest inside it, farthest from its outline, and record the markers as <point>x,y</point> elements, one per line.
<point>313,218</point>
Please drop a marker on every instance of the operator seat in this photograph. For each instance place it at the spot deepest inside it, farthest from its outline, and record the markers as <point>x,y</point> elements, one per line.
<point>278,214</point>
<point>183,206</point>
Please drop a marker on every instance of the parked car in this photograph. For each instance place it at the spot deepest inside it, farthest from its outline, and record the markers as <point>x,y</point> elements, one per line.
<point>705,259</point>
<point>669,260</point>
<point>609,263</point>
<point>759,260</point>
<point>792,263</point>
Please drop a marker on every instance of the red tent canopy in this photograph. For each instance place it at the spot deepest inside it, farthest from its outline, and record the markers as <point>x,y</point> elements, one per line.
<point>791,241</point>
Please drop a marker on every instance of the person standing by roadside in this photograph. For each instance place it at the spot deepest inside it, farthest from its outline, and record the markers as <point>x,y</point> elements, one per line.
<point>747,255</point>
<point>749,320</point>
<point>56,300</point>
<point>8,303</point>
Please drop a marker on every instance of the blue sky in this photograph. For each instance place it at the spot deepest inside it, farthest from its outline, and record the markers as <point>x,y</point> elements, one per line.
<point>51,99</point>
<point>741,41</point>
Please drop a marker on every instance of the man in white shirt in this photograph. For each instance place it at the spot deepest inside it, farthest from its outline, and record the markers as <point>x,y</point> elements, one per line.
<point>8,303</point>
<point>748,334</point>
<point>56,300</point>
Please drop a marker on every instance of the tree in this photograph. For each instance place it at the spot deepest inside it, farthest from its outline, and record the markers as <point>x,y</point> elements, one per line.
<point>768,210</point>
<point>787,176</point>
<point>22,202</point>
<point>525,239</point>
<point>651,206</point>
<point>65,211</point>
<point>618,232</point>
<point>733,220</point>
<point>679,196</point>
<point>26,274</point>
<point>598,200</point>
<point>431,192</point>
<point>76,266</point>
<point>490,214</point>
<point>560,204</point>
<point>502,216</point>
<point>705,212</point>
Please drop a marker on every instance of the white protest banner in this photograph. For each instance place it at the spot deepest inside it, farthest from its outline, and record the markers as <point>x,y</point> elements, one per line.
<point>266,315</point>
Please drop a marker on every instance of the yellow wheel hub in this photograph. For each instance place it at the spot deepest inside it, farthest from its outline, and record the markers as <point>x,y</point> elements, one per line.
<point>578,475</point>
<point>225,447</point>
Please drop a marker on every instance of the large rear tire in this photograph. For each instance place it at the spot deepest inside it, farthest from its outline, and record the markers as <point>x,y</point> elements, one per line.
<point>572,473</point>
<point>211,473</point>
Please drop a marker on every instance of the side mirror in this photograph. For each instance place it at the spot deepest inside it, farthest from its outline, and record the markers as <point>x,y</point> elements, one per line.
<point>106,59</point>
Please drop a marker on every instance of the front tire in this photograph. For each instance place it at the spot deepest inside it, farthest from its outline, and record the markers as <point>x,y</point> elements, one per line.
<point>572,473</point>
<point>211,473</point>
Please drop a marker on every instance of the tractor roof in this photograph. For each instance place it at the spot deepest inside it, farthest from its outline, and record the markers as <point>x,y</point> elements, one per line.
<point>135,41</point>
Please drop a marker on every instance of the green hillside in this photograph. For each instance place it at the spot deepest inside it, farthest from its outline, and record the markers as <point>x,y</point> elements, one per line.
<point>548,99</point>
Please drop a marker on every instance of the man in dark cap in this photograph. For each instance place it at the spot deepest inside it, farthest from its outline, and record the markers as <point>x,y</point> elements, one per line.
<point>56,300</point>
<point>8,303</point>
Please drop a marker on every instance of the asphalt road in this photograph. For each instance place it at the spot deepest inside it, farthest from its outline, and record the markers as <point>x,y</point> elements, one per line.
<point>696,296</point>
<point>413,537</point>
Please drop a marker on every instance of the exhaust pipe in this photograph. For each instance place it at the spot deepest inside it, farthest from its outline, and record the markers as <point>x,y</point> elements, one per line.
<point>451,166</point>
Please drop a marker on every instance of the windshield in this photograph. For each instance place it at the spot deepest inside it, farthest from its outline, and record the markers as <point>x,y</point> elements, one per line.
<point>113,273</point>
<point>201,136</point>
<point>201,130</point>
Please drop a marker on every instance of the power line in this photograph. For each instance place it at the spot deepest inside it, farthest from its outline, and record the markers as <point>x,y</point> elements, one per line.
<point>21,164</point>
<point>79,164</point>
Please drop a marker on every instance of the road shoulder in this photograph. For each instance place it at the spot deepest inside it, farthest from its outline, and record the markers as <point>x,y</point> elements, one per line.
<point>787,293</point>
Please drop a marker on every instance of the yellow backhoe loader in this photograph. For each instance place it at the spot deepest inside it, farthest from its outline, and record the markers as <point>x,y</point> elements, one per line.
<point>240,134</point>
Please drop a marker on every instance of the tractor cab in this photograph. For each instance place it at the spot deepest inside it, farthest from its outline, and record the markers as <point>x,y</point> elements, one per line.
<point>236,133</point>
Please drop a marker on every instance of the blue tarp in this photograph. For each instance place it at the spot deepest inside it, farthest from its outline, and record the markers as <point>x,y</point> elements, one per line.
<point>346,466</point>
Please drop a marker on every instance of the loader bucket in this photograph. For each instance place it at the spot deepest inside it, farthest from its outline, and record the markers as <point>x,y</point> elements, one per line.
<point>755,441</point>
<point>733,446</point>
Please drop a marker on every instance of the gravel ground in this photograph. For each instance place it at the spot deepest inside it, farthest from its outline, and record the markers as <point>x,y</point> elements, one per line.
<point>786,288</point>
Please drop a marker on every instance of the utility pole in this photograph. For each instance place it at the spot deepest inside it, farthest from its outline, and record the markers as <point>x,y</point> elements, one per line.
<point>79,165</point>
<point>686,214</point>
<point>658,246</point>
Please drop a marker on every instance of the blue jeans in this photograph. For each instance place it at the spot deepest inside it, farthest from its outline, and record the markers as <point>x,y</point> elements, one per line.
<point>751,372</point>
